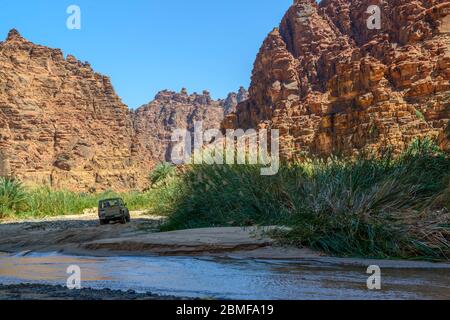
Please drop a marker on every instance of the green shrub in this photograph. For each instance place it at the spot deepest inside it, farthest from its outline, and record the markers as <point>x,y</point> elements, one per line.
<point>420,115</point>
<point>12,196</point>
<point>370,206</point>
<point>47,202</point>
<point>161,174</point>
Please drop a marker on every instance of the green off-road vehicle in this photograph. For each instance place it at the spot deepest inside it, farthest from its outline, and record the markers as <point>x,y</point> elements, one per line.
<point>113,210</point>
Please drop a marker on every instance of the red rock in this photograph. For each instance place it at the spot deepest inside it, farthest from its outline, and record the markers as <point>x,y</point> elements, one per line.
<point>331,85</point>
<point>63,125</point>
<point>155,122</point>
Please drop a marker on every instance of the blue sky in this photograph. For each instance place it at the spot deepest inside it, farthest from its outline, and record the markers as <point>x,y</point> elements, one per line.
<point>149,45</point>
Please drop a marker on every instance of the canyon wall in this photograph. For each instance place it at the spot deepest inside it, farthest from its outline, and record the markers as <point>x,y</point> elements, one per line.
<point>62,124</point>
<point>331,84</point>
<point>326,80</point>
<point>157,121</point>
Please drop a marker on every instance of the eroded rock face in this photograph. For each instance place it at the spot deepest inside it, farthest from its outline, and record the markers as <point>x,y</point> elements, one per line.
<point>332,85</point>
<point>61,124</point>
<point>157,121</point>
<point>233,99</point>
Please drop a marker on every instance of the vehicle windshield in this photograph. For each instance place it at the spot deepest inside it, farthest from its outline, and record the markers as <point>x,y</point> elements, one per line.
<point>110,203</point>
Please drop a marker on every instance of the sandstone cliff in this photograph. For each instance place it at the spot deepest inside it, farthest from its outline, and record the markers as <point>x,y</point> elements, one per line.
<point>327,81</point>
<point>233,99</point>
<point>155,122</point>
<point>333,85</point>
<point>62,124</point>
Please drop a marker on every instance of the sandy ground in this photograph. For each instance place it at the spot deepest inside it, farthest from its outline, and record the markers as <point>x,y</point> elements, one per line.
<point>83,235</point>
<point>68,232</point>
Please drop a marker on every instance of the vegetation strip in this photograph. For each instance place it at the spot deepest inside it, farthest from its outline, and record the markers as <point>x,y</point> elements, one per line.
<point>371,206</point>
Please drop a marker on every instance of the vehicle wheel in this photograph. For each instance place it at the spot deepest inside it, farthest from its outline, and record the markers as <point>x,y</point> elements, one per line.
<point>128,219</point>
<point>104,222</point>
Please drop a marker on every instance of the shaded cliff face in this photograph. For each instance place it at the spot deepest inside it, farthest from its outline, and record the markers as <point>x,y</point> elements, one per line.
<point>155,122</point>
<point>332,85</point>
<point>61,124</point>
<point>233,99</point>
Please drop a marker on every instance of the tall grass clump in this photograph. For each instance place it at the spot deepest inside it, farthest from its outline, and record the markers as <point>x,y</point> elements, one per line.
<point>47,202</point>
<point>16,201</point>
<point>12,196</point>
<point>382,206</point>
<point>226,195</point>
<point>161,174</point>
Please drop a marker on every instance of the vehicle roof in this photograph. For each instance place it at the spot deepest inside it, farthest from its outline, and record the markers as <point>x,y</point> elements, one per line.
<point>112,199</point>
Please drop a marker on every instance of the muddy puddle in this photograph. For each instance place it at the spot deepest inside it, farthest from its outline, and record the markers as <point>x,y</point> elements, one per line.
<point>226,278</point>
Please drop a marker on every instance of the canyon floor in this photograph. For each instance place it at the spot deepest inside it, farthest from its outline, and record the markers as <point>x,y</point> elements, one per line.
<point>83,235</point>
<point>135,261</point>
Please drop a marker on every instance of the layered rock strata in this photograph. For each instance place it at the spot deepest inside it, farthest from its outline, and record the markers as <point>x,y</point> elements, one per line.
<point>332,83</point>
<point>62,124</point>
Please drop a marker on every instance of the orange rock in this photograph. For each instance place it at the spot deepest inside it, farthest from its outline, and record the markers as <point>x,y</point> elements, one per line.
<point>63,125</point>
<point>357,88</point>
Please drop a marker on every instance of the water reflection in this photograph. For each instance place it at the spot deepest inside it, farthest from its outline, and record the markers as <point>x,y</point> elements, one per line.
<point>225,278</point>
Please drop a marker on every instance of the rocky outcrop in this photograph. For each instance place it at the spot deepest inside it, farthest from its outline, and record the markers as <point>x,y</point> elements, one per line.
<point>233,99</point>
<point>157,121</point>
<point>331,84</point>
<point>62,124</point>
<point>326,80</point>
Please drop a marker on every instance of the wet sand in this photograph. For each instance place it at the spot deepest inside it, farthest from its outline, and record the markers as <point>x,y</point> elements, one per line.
<point>48,292</point>
<point>214,262</point>
<point>83,235</point>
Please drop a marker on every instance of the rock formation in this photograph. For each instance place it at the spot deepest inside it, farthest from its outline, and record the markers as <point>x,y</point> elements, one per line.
<point>331,83</point>
<point>326,78</point>
<point>62,124</point>
<point>155,122</point>
<point>233,99</point>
